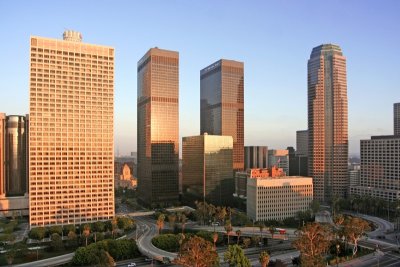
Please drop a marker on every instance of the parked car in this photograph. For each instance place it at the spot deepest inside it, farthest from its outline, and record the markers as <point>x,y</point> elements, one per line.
<point>132,264</point>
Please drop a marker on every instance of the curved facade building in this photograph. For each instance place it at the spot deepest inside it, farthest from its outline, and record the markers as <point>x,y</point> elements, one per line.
<point>15,155</point>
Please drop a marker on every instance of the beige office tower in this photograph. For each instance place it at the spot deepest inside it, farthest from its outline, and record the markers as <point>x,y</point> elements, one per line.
<point>2,153</point>
<point>71,142</point>
<point>327,122</point>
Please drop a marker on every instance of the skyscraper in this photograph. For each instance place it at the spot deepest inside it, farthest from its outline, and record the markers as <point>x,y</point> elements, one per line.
<point>302,142</point>
<point>255,157</point>
<point>222,104</point>
<point>158,127</point>
<point>279,158</point>
<point>15,155</point>
<point>327,122</point>
<point>396,118</point>
<point>2,154</point>
<point>207,169</point>
<point>71,134</point>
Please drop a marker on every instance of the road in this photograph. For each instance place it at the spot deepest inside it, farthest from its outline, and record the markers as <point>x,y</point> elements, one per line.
<point>55,261</point>
<point>144,242</point>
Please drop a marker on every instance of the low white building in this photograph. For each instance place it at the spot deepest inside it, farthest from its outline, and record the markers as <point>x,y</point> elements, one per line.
<point>278,198</point>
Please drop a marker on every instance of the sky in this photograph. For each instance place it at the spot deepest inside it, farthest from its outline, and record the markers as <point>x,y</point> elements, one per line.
<point>274,39</point>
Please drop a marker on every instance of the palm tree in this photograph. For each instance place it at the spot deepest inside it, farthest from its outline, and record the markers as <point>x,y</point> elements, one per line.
<point>228,228</point>
<point>183,220</point>
<point>114,226</point>
<point>261,226</point>
<point>171,221</point>
<point>215,239</point>
<point>160,222</point>
<point>264,258</point>
<point>86,232</point>
<point>238,233</point>
<point>272,230</point>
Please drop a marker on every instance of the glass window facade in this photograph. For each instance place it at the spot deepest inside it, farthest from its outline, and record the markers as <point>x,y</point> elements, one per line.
<point>222,104</point>
<point>207,172</point>
<point>327,122</point>
<point>15,156</point>
<point>158,127</point>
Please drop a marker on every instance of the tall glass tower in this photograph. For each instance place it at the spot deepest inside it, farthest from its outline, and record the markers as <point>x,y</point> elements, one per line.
<point>327,122</point>
<point>158,127</point>
<point>15,155</point>
<point>222,104</point>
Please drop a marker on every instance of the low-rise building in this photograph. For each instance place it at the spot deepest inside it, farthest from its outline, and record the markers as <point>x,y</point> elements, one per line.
<point>278,198</point>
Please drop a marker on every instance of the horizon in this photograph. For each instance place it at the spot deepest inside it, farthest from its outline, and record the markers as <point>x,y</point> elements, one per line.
<point>274,48</point>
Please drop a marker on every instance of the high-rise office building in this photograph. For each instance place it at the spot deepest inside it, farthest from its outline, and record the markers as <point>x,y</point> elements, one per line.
<point>380,162</point>
<point>327,122</point>
<point>207,172</point>
<point>379,174</point>
<point>16,155</point>
<point>255,157</point>
<point>71,131</point>
<point>396,118</point>
<point>302,142</point>
<point>279,158</point>
<point>222,104</point>
<point>158,127</point>
<point>278,198</point>
<point>2,154</point>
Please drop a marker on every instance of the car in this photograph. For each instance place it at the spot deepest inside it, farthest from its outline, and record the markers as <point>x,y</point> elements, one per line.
<point>215,224</point>
<point>132,264</point>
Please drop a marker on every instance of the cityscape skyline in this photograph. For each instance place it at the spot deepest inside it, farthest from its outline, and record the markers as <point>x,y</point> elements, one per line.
<point>265,70</point>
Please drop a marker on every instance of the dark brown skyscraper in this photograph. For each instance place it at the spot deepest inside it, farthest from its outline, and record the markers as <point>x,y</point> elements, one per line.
<point>327,122</point>
<point>15,164</point>
<point>221,104</point>
<point>158,127</point>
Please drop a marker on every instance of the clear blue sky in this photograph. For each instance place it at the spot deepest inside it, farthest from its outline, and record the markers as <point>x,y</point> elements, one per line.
<point>273,38</point>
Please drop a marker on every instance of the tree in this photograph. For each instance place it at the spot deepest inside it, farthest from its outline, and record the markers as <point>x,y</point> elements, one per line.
<point>55,229</point>
<point>72,239</point>
<point>261,226</point>
<point>315,206</point>
<point>99,226</point>
<point>125,223</point>
<point>264,258</point>
<point>160,223</point>
<point>235,257</point>
<point>313,241</point>
<point>86,232</point>
<point>114,226</point>
<point>37,233</point>
<point>228,228</point>
<point>68,228</point>
<point>197,252</point>
<point>272,230</point>
<point>10,254</point>
<point>182,219</point>
<point>238,233</point>
<point>215,239</point>
<point>246,242</point>
<point>172,220</point>
<point>353,229</point>
<point>220,213</point>
<point>56,243</point>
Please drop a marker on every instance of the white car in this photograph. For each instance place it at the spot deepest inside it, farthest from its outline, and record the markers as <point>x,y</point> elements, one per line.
<point>132,264</point>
